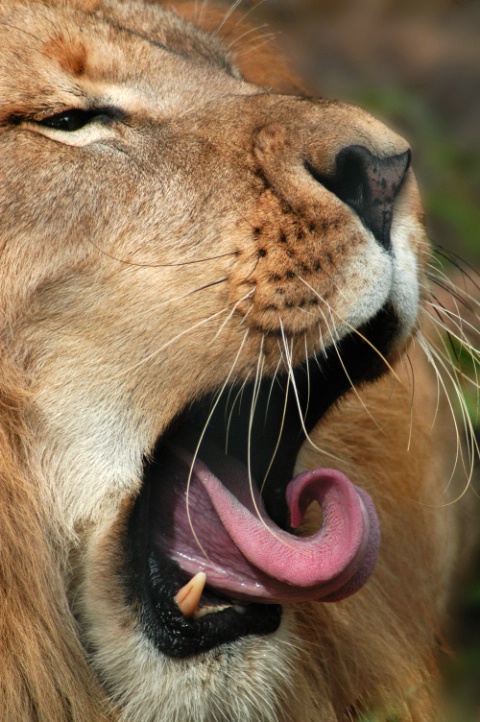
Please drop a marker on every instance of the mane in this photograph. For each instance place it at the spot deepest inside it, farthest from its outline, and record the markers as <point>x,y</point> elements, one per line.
<point>254,52</point>
<point>44,677</point>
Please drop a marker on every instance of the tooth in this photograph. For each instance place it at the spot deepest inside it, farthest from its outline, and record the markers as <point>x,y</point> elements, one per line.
<point>189,596</point>
<point>204,611</point>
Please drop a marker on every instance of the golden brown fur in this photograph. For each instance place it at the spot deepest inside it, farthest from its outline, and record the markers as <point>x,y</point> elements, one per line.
<point>105,336</point>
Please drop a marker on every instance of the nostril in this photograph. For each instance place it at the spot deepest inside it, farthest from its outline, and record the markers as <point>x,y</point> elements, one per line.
<point>369,185</point>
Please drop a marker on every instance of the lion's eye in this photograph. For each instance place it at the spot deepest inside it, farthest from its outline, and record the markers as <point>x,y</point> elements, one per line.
<point>77,118</point>
<point>69,120</point>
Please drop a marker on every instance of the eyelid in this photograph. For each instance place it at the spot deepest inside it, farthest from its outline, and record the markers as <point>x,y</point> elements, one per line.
<point>104,114</point>
<point>80,117</point>
<point>84,135</point>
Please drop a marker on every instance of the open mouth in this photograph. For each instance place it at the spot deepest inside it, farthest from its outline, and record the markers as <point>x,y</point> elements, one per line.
<point>219,498</point>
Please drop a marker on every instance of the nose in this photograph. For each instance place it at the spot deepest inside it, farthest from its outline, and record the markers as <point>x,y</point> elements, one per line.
<point>368,184</point>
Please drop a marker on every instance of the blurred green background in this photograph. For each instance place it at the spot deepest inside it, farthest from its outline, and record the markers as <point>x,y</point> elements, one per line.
<point>416,64</point>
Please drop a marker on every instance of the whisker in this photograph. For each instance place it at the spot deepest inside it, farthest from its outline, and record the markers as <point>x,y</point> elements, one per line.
<point>202,435</point>
<point>280,433</point>
<point>460,377</point>
<point>31,36</point>
<point>460,294</point>
<point>297,398</point>
<point>234,308</point>
<point>463,339</point>
<point>245,34</point>
<point>452,296</point>
<point>227,15</point>
<point>251,10</point>
<point>154,354</point>
<point>473,353</point>
<point>349,379</point>
<point>253,404</point>
<point>274,378</point>
<point>459,263</point>
<point>203,9</point>
<point>472,444</point>
<point>438,321</point>
<point>256,389</point>
<point>411,382</point>
<point>312,314</point>
<point>307,365</point>
<point>465,300</point>
<point>245,316</point>
<point>437,380</point>
<point>252,49</point>
<point>238,395</point>
<point>261,40</point>
<point>353,329</point>
<point>425,346</point>
<point>165,302</point>
<point>125,262</point>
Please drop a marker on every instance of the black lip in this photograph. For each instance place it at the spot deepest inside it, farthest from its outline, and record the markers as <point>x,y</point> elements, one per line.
<point>153,578</point>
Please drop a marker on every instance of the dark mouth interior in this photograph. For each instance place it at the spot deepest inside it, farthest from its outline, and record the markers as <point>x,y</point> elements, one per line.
<point>269,441</point>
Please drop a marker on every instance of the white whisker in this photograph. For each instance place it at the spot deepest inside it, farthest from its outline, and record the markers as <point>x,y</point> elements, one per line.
<point>349,379</point>
<point>251,49</point>
<point>353,329</point>
<point>202,435</point>
<point>251,10</point>
<point>248,32</point>
<point>274,378</point>
<point>297,398</point>
<point>473,354</point>
<point>234,308</point>
<point>256,389</point>
<point>238,395</point>
<point>461,294</point>
<point>307,365</point>
<point>409,370</point>
<point>280,433</point>
<point>472,446</point>
<point>461,337</point>
<point>228,14</point>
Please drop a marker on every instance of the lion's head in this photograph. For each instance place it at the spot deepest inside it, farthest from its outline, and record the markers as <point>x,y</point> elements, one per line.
<point>195,269</point>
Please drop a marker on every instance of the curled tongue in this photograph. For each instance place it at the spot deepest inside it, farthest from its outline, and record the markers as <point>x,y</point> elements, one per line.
<point>244,553</point>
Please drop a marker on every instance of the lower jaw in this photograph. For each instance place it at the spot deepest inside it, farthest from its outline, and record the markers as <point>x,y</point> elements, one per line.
<point>152,590</point>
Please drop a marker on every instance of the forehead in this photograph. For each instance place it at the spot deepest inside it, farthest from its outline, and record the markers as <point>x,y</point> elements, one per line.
<point>111,20</point>
<point>66,50</point>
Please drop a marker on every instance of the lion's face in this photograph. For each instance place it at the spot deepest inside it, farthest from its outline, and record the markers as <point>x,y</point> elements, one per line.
<point>193,264</point>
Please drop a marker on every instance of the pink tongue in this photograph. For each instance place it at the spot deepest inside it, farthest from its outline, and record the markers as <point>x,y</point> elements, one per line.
<point>245,554</point>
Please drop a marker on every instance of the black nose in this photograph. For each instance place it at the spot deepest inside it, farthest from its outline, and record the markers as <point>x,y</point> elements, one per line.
<point>369,185</point>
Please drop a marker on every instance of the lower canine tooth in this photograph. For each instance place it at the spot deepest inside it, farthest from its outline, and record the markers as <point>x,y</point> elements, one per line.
<point>188,597</point>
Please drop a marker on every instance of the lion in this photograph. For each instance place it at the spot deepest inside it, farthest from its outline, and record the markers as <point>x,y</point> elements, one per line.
<point>227,464</point>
